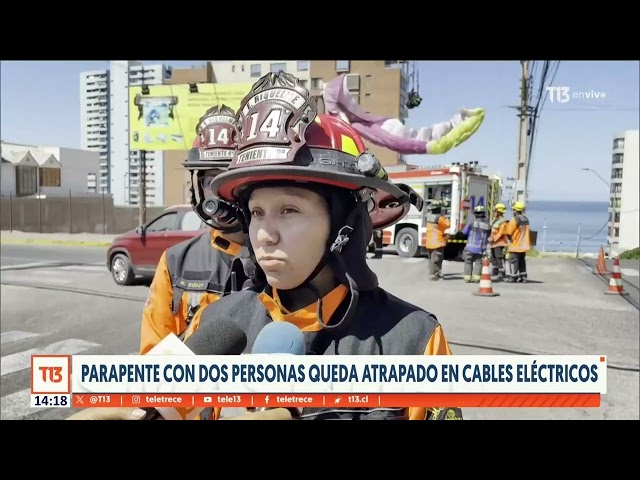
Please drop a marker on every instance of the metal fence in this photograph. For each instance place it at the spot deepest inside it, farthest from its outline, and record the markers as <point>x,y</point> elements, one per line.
<point>71,213</point>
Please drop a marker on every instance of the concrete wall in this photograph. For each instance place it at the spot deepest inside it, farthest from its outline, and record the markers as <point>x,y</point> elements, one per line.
<point>7,178</point>
<point>69,214</point>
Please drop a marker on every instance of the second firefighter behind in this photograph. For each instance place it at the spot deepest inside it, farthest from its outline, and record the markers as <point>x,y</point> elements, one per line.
<point>477,233</point>
<point>437,225</point>
<point>519,235</point>
<point>498,241</point>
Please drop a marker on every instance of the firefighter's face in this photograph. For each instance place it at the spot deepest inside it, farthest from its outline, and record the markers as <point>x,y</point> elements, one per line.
<point>205,180</point>
<point>289,230</point>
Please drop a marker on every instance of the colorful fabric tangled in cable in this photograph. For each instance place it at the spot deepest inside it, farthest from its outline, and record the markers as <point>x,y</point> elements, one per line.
<point>391,133</point>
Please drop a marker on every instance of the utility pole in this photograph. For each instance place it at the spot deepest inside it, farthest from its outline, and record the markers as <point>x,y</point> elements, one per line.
<point>524,111</point>
<point>142,189</point>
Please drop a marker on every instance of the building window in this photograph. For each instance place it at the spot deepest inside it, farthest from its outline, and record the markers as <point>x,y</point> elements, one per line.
<point>49,177</point>
<point>233,68</point>
<point>256,70</point>
<point>342,65</point>
<point>242,68</point>
<point>316,83</point>
<point>276,67</point>
<point>26,180</point>
<point>616,173</point>
<point>617,158</point>
<point>618,143</point>
<point>303,65</point>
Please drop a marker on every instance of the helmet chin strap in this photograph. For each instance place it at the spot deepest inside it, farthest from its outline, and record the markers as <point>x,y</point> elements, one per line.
<point>223,228</point>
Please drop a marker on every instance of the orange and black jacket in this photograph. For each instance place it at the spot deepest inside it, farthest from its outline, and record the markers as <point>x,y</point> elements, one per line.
<point>382,325</point>
<point>190,276</point>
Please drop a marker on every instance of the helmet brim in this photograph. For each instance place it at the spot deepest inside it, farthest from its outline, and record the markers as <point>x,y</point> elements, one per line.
<point>386,211</point>
<point>204,165</point>
<point>197,160</point>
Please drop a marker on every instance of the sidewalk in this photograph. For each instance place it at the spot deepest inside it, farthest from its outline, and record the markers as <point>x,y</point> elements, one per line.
<point>78,239</point>
<point>630,269</point>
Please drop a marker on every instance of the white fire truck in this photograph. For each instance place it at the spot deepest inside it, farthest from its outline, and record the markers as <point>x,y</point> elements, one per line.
<point>461,187</point>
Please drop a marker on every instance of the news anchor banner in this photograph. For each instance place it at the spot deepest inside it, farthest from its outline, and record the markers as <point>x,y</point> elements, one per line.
<point>189,383</point>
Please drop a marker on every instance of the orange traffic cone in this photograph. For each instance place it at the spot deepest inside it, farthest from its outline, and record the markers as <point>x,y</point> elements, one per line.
<point>485,289</point>
<point>615,283</point>
<point>601,266</point>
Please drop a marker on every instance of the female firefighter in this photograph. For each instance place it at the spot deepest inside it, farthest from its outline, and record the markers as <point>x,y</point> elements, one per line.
<point>306,192</point>
<point>199,271</point>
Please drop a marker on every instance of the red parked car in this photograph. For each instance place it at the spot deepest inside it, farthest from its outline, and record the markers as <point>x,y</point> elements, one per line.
<point>137,253</point>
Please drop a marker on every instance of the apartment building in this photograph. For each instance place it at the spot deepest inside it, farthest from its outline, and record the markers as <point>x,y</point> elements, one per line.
<point>380,87</point>
<point>249,71</point>
<point>94,120</point>
<point>624,203</point>
<point>104,114</point>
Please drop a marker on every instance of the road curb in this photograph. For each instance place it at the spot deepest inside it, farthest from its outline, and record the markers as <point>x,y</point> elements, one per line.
<point>35,241</point>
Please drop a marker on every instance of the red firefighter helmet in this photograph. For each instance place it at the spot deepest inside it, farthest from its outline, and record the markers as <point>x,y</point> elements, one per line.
<point>214,144</point>
<point>280,137</point>
<point>210,155</point>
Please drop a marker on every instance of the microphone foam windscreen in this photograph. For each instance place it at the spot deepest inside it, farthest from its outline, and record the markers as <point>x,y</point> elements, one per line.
<point>280,337</point>
<point>217,336</point>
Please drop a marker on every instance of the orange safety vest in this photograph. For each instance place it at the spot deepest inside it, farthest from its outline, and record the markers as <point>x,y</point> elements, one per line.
<point>519,234</point>
<point>499,233</point>
<point>436,225</point>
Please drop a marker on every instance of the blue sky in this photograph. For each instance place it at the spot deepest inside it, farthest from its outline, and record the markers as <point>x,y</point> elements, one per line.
<point>39,104</point>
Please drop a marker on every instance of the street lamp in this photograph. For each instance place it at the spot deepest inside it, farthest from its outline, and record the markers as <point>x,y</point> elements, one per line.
<point>613,207</point>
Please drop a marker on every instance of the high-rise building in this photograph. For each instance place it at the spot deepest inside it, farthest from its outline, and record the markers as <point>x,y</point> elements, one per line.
<point>624,203</point>
<point>94,120</point>
<point>104,116</point>
<point>380,87</point>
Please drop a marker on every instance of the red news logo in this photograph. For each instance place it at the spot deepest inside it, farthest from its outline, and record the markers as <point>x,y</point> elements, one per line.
<point>50,374</point>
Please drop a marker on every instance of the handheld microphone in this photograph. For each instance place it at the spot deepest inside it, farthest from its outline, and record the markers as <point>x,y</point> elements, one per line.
<point>215,336</point>
<point>279,338</point>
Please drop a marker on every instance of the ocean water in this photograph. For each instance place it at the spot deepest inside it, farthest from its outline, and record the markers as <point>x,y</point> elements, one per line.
<point>562,219</point>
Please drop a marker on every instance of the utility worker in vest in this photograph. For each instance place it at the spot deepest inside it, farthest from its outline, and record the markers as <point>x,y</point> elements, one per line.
<point>498,241</point>
<point>308,214</point>
<point>519,244</point>
<point>436,237</point>
<point>477,233</point>
<point>199,271</point>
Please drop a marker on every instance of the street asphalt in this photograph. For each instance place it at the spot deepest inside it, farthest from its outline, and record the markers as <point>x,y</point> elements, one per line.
<point>63,300</point>
<point>61,254</point>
